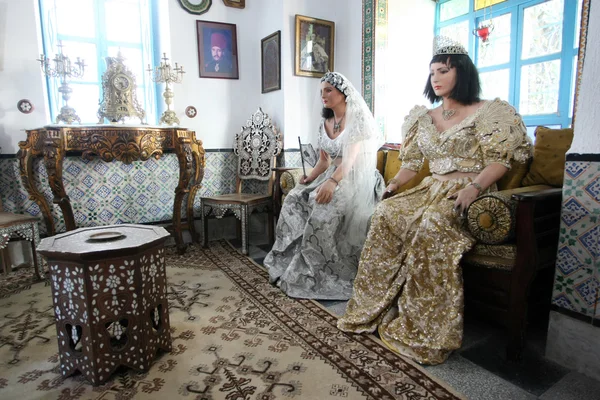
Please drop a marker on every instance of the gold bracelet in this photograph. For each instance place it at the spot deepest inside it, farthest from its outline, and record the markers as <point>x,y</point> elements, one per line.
<point>393,181</point>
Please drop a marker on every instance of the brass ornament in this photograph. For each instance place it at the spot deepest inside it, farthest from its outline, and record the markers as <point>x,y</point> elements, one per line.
<point>119,93</point>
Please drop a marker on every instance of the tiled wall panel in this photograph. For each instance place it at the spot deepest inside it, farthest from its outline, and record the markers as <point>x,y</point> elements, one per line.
<point>113,193</point>
<point>577,279</point>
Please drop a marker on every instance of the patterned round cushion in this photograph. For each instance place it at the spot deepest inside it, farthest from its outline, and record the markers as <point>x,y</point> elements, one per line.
<point>490,218</point>
<point>289,179</point>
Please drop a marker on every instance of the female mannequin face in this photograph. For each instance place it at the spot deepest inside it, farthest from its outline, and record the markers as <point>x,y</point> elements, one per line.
<point>330,96</point>
<point>443,78</point>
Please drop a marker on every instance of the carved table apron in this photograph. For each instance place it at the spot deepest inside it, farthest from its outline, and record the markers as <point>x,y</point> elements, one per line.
<point>112,142</point>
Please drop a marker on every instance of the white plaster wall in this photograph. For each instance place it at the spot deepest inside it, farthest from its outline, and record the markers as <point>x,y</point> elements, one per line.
<point>20,75</point>
<point>586,135</point>
<point>223,105</point>
<point>406,66</point>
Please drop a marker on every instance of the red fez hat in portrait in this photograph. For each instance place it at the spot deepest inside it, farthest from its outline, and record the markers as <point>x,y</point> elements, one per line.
<point>218,39</point>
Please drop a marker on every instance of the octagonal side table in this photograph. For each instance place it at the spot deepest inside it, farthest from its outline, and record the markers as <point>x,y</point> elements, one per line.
<point>109,290</point>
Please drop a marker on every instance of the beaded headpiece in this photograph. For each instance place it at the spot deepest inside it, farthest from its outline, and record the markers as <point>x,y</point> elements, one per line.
<point>445,45</point>
<point>338,81</point>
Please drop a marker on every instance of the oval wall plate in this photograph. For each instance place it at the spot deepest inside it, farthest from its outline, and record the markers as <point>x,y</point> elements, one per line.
<point>196,6</point>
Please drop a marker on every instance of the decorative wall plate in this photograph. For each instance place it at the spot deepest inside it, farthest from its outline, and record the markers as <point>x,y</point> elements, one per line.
<point>196,6</point>
<point>25,106</point>
<point>190,111</point>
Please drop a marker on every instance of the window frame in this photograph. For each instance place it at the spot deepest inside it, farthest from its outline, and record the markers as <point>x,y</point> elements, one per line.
<point>147,90</point>
<point>568,53</point>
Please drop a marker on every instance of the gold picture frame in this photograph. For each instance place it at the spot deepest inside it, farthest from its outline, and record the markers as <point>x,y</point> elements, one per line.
<point>315,45</point>
<point>235,3</point>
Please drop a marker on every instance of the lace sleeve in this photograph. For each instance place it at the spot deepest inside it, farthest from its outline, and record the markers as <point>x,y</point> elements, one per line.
<point>503,136</point>
<point>410,153</point>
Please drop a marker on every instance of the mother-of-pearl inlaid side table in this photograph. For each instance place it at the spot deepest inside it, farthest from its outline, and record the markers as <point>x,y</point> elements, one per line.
<point>109,291</point>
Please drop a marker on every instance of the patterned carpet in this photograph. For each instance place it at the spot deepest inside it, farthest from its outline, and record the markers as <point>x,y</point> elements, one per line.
<point>235,337</point>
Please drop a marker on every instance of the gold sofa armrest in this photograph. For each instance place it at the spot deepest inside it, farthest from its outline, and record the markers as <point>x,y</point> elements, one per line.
<point>491,218</point>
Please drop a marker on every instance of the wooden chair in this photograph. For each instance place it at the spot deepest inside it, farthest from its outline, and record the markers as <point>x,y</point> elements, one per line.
<point>24,226</point>
<point>257,147</point>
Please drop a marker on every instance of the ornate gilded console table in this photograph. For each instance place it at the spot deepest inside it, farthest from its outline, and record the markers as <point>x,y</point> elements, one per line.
<point>112,142</point>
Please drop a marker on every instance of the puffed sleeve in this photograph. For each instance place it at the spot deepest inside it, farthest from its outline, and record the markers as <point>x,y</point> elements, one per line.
<point>410,153</point>
<point>502,133</point>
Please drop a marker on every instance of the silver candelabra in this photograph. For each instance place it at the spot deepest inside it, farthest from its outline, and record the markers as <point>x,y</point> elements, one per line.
<point>62,68</point>
<point>166,74</point>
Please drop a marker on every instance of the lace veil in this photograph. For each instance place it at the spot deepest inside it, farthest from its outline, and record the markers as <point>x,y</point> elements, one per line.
<point>361,139</point>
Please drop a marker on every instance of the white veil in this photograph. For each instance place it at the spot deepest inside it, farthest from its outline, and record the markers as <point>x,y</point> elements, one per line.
<point>361,141</point>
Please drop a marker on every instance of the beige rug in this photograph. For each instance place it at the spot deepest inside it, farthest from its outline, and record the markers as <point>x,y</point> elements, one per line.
<point>235,337</point>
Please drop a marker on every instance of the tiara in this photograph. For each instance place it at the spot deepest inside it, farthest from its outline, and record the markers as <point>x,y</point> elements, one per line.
<point>445,45</point>
<point>338,81</point>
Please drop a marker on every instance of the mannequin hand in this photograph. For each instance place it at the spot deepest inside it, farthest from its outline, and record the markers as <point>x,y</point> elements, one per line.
<point>325,192</point>
<point>463,199</point>
<point>305,180</point>
<point>390,190</point>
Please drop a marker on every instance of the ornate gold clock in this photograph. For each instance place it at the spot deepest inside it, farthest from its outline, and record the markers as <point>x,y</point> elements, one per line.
<point>118,93</point>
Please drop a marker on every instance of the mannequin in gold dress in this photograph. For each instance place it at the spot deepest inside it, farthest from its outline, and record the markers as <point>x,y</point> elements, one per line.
<point>409,281</point>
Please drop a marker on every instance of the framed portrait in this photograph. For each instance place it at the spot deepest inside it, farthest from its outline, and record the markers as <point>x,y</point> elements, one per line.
<point>235,3</point>
<point>270,57</point>
<point>315,40</point>
<point>217,50</point>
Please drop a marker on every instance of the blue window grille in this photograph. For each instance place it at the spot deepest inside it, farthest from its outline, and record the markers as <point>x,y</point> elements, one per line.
<point>537,78</point>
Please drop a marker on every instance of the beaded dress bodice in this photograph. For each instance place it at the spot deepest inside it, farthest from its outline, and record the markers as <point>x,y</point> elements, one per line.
<point>495,133</point>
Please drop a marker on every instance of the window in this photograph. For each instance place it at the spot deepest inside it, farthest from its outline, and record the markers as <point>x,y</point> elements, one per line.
<point>93,30</point>
<point>530,57</point>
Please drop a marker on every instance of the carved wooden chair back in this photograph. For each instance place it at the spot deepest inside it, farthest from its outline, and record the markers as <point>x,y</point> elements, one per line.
<point>257,146</point>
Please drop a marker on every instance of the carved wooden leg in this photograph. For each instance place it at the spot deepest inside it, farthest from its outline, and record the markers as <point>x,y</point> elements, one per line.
<point>4,257</point>
<point>26,171</point>
<point>177,219</point>
<point>180,192</point>
<point>245,229</point>
<point>37,258</point>
<point>54,153</point>
<point>205,214</point>
<point>190,213</point>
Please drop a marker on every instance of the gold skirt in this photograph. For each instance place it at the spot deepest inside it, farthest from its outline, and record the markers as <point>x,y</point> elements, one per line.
<point>409,282</point>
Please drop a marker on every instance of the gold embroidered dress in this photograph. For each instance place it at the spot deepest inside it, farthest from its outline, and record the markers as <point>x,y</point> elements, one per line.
<point>409,281</point>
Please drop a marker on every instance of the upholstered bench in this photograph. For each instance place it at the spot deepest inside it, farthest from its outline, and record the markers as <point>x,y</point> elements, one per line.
<point>511,267</point>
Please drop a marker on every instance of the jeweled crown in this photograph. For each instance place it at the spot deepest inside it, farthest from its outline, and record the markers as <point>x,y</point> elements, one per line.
<point>445,45</point>
<point>338,81</point>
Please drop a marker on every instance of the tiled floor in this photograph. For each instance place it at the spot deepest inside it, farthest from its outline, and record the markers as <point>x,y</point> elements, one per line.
<point>480,372</point>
